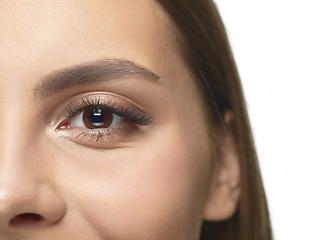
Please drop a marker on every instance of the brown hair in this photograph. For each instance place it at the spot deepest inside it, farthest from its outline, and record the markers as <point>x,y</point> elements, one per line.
<point>205,47</point>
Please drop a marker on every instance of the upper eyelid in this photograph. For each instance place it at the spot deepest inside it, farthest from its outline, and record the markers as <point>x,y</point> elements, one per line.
<point>73,110</point>
<point>113,103</point>
<point>96,99</point>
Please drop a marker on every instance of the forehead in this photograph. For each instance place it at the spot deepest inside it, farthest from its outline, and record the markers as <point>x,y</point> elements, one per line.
<point>61,33</point>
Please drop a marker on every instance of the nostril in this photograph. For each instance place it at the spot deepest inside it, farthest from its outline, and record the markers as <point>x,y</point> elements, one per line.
<point>26,219</point>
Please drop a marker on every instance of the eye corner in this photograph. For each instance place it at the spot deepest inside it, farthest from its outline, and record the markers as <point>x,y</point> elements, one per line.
<point>63,126</point>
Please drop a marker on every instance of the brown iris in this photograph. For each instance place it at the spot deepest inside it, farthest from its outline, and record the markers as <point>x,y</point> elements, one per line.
<point>97,118</point>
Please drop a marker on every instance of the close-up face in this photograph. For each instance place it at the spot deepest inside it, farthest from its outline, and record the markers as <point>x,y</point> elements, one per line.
<point>103,133</point>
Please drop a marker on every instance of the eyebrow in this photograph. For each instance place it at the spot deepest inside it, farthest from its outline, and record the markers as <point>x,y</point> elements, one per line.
<point>101,70</point>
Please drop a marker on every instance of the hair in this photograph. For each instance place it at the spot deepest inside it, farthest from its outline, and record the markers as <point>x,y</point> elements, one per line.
<point>205,47</point>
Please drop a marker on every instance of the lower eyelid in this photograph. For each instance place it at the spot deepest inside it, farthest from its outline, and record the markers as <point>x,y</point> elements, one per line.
<point>102,138</point>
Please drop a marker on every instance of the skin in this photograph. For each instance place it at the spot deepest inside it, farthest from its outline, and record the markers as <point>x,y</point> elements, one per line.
<point>155,182</point>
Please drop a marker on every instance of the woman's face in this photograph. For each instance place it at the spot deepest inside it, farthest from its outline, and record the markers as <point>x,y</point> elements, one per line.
<point>102,131</point>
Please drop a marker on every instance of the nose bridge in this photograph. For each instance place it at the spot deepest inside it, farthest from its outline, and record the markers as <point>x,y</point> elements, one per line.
<point>15,114</point>
<point>15,137</point>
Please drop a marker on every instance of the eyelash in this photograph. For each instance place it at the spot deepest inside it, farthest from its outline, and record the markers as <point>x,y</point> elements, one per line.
<point>125,110</point>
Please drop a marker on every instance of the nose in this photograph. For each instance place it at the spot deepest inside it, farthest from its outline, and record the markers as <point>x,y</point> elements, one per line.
<point>27,198</point>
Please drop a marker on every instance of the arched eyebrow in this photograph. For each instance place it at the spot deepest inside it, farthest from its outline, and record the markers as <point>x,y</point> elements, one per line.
<point>101,70</point>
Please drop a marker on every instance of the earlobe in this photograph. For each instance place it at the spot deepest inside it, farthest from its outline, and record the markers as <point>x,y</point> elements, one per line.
<point>224,193</point>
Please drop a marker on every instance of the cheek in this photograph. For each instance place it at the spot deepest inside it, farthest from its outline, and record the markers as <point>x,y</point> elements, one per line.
<point>144,192</point>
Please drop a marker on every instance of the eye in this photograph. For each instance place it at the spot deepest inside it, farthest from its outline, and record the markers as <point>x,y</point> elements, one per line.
<point>95,118</point>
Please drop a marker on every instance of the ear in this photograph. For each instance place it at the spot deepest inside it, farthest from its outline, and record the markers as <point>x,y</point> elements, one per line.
<point>224,192</point>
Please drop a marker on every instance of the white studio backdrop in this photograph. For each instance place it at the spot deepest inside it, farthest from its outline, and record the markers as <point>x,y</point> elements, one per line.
<point>276,48</point>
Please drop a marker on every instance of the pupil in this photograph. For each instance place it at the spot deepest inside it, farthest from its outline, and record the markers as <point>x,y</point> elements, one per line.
<point>97,117</point>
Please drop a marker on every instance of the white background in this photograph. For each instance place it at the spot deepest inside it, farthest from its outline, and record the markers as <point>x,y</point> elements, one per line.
<point>276,47</point>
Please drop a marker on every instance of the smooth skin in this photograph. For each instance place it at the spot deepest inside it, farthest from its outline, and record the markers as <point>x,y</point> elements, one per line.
<point>157,181</point>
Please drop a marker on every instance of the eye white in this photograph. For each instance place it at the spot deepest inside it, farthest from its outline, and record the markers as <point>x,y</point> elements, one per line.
<point>77,121</point>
